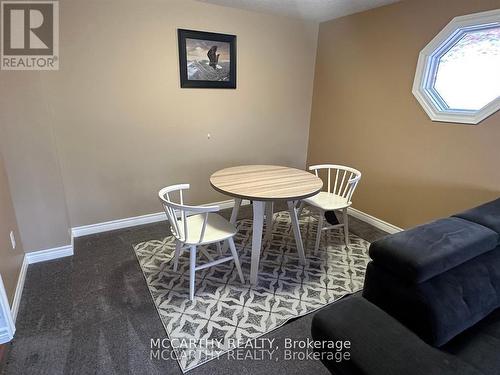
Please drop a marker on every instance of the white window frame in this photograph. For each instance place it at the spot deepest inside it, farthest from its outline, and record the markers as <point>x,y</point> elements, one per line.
<point>428,61</point>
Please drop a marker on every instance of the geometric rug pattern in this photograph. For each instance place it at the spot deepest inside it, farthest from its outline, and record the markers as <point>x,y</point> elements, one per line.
<point>225,314</point>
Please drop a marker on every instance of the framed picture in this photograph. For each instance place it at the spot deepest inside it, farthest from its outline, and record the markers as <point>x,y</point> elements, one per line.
<point>207,60</point>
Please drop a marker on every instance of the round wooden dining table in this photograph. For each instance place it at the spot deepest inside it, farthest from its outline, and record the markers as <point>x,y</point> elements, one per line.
<point>263,184</point>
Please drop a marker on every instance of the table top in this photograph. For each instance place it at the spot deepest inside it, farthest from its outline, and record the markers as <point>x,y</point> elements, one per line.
<point>266,182</point>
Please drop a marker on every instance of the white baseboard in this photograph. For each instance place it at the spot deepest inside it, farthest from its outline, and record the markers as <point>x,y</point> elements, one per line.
<point>160,216</point>
<point>5,337</point>
<point>107,226</point>
<point>49,254</point>
<point>31,258</point>
<point>64,251</point>
<point>372,220</point>
<point>19,288</point>
<point>7,327</point>
<point>128,222</point>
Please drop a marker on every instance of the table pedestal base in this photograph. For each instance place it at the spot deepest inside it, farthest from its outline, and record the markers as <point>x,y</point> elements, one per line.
<point>259,209</point>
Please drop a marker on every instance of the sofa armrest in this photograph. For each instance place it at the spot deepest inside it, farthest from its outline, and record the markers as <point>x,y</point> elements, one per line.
<point>379,344</point>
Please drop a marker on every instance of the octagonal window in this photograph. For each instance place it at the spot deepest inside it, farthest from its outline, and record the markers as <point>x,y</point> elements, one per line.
<point>468,74</point>
<point>458,72</point>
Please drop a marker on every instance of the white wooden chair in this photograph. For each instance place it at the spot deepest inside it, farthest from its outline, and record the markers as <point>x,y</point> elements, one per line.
<point>336,198</point>
<point>194,226</point>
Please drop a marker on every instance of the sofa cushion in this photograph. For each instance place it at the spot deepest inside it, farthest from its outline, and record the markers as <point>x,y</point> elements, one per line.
<point>479,345</point>
<point>378,344</point>
<point>443,306</point>
<point>423,252</point>
<point>487,214</point>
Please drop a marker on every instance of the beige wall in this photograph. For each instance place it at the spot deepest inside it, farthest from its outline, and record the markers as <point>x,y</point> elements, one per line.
<point>96,140</point>
<point>31,160</point>
<point>10,260</point>
<point>365,115</point>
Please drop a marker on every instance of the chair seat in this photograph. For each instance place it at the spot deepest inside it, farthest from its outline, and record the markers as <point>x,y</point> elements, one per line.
<point>218,229</point>
<point>327,201</point>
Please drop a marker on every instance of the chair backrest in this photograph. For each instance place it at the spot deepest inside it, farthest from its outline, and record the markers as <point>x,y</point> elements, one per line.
<point>177,213</point>
<point>342,180</point>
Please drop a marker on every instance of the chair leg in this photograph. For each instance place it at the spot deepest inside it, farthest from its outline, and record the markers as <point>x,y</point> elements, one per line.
<point>204,251</point>
<point>192,269</point>
<point>296,231</point>
<point>178,246</point>
<point>301,207</point>
<point>219,248</point>
<point>232,220</point>
<point>346,226</point>
<point>269,220</point>
<point>319,231</point>
<point>236,259</point>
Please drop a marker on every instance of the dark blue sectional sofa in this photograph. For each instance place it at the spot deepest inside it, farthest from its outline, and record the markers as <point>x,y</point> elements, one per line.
<point>430,304</point>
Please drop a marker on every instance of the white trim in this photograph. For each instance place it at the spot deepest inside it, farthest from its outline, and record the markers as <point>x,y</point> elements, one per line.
<point>7,331</point>
<point>372,220</point>
<point>31,258</point>
<point>49,254</point>
<point>5,336</point>
<point>19,288</point>
<point>427,64</point>
<point>107,226</point>
<point>64,251</point>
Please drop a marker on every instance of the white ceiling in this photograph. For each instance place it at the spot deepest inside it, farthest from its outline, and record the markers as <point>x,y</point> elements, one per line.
<point>312,10</point>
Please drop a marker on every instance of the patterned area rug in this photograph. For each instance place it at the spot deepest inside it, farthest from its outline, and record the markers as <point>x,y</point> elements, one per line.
<point>225,313</point>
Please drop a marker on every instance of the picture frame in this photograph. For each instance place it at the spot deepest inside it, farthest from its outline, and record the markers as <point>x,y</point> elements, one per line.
<point>207,59</point>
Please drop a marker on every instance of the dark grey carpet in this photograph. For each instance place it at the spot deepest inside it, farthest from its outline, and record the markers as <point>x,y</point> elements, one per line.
<point>92,314</point>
